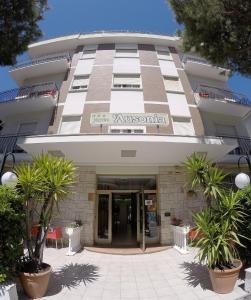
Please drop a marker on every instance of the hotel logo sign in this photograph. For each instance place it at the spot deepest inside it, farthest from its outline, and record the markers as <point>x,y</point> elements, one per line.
<point>138,119</point>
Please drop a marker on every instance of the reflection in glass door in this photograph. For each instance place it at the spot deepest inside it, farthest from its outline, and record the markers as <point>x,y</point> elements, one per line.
<point>147,218</point>
<point>103,221</point>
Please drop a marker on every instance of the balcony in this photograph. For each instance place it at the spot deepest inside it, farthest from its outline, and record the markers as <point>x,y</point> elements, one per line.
<point>42,66</point>
<point>243,148</point>
<point>28,99</point>
<point>198,66</point>
<point>219,101</point>
<point>9,143</point>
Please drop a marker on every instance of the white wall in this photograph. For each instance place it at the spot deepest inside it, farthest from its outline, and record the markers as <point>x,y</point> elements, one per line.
<point>74,104</point>
<point>168,68</point>
<point>196,81</point>
<point>42,118</point>
<point>127,101</point>
<point>84,67</point>
<point>57,78</point>
<point>126,66</point>
<point>178,105</point>
<point>210,120</point>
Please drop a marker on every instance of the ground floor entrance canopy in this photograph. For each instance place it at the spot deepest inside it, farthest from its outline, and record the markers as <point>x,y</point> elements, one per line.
<point>127,149</point>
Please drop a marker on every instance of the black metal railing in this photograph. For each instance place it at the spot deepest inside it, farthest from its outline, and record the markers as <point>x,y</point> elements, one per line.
<point>244,145</point>
<point>187,58</point>
<point>211,92</point>
<point>42,59</point>
<point>35,91</point>
<point>10,142</point>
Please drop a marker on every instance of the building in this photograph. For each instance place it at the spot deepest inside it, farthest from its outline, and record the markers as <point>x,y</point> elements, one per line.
<point>127,108</point>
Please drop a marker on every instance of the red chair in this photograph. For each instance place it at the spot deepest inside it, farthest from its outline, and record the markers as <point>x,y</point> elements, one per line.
<point>34,230</point>
<point>55,233</point>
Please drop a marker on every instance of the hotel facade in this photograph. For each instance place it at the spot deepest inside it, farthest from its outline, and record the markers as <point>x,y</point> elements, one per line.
<point>127,108</point>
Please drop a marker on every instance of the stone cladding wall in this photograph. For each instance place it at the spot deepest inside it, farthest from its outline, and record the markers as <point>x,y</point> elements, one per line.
<point>77,205</point>
<point>174,199</point>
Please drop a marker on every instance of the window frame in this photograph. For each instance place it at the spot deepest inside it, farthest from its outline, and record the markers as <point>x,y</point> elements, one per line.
<point>124,86</point>
<point>81,88</point>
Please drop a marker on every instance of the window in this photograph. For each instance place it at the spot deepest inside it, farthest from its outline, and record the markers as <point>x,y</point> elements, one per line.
<point>126,81</point>
<point>178,105</point>
<point>172,84</point>
<point>168,68</point>
<point>80,83</point>
<point>126,131</point>
<point>89,51</point>
<point>126,65</point>
<point>183,126</point>
<point>70,125</point>
<point>131,130</point>
<point>163,54</point>
<point>126,50</point>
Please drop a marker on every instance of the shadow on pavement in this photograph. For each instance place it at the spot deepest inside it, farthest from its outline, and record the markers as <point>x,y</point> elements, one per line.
<point>197,274</point>
<point>71,276</point>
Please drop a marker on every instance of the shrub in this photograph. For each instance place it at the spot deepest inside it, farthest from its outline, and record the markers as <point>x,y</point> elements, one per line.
<point>11,231</point>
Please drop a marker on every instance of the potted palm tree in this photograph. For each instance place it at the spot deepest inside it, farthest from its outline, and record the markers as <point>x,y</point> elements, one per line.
<point>42,185</point>
<point>220,240</point>
<point>219,225</point>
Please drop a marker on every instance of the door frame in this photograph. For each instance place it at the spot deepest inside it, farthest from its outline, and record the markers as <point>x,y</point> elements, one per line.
<point>97,239</point>
<point>110,192</point>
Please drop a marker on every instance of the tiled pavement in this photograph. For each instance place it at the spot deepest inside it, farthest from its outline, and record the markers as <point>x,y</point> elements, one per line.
<point>95,276</point>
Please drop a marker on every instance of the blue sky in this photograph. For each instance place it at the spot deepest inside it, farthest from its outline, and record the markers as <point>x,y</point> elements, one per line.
<point>74,16</point>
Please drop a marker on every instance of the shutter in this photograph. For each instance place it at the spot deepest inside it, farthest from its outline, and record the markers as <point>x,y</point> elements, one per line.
<point>80,82</point>
<point>129,80</point>
<point>225,130</point>
<point>70,124</point>
<point>183,126</point>
<point>172,84</point>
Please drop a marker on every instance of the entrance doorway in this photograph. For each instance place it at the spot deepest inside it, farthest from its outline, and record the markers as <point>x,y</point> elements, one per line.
<point>126,211</point>
<point>124,219</point>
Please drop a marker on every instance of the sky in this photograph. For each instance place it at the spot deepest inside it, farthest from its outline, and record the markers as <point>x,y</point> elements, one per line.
<point>74,16</point>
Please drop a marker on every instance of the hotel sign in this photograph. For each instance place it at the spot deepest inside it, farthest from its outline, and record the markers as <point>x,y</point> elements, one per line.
<point>138,119</point>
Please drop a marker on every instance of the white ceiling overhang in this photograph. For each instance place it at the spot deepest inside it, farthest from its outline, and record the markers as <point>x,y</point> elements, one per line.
<point>148,150</point>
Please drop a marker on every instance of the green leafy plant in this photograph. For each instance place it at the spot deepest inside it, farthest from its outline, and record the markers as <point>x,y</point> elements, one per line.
<point>219,228</point>
<point>42,185</point>
<point>205,176</point>
<point>11,231</point>
<point>220,225</point>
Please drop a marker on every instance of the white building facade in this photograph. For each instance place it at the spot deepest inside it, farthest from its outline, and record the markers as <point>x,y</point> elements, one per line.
<point>127,108</point>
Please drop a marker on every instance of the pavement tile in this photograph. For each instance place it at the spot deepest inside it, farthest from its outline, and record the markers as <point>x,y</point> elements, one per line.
<point>166,275</point>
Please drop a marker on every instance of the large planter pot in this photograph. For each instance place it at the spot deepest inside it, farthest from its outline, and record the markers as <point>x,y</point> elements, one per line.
<point>223,282</point>
<point>35,285</point>
<point>8,291</point>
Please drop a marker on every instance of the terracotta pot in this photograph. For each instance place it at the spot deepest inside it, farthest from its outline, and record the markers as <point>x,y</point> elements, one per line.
<point>35,285</point>
<point>194,234</point>
<point>223,282</point>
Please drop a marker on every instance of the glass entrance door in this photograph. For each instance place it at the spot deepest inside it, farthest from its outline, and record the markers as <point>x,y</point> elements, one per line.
<point>124,219</point>
<point>103,218</point>
<point>147,225</point>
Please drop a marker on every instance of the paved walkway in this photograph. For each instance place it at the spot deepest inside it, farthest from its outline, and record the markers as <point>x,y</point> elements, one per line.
<point>164,275</point>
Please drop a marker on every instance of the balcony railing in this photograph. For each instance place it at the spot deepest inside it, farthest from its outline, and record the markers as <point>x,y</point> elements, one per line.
<point>187,58</point>
<point>244,145</point>
<point>39,90</point>
<point>10,142</point>
<point>43,59</point>
<point>210,92</point>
